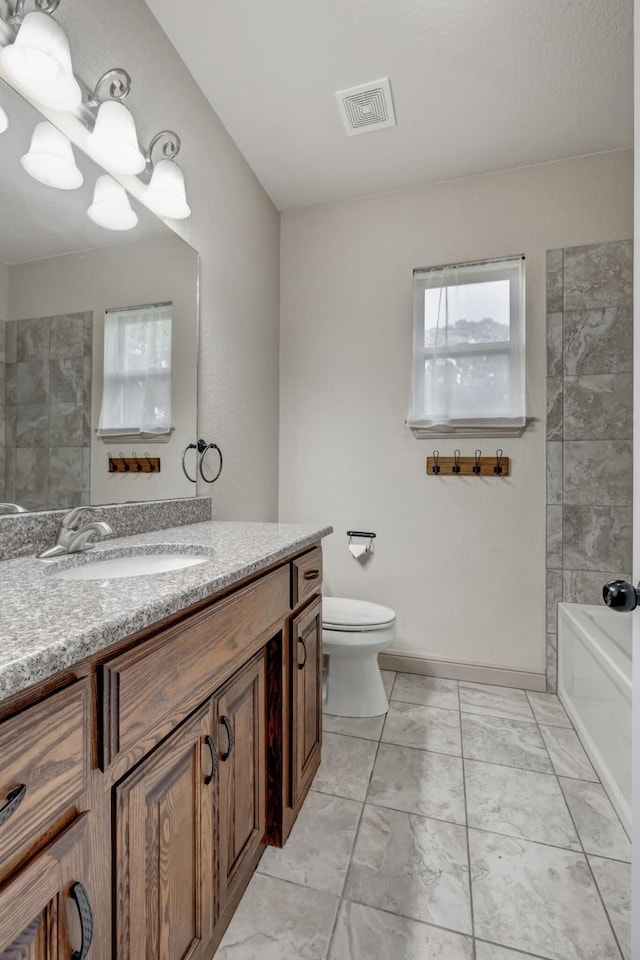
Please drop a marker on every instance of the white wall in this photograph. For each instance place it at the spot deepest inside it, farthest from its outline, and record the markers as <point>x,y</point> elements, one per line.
<point>235,229</point>
<point>462,561</point>
<point>157,269</point>
<point>4,291</point>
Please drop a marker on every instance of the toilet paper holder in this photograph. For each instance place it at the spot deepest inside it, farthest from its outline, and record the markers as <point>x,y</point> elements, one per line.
<point>365,535</point>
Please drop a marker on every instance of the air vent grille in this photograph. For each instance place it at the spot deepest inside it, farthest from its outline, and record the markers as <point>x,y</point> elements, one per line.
<point>367,107</point>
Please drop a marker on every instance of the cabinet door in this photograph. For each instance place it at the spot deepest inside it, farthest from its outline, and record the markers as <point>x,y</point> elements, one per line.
<point>306,698</point>
<point>241,720</point>
<point>165,863</point>
<point>35,923</point>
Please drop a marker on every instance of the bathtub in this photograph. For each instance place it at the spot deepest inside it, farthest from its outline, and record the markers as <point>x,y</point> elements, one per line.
<point>594,685</point>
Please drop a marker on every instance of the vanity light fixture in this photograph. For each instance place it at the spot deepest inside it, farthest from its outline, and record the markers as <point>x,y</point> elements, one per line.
<point>114,141</point>
<point>39,61</point>
<point>111,208</point>
<point>4,120</point>
<point>165,195</point>
<point>50,159</point>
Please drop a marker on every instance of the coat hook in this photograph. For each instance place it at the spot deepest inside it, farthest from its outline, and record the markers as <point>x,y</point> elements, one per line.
<point>477,466</point>
<point>138,464</point>
<point>498,467</point>
<point>456,465</point>
<point>125,465</point>
<point>436,465</point>
<point>152,468</point>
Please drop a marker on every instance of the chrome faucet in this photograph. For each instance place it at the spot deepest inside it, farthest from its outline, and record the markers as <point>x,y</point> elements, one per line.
<point>74,537</point>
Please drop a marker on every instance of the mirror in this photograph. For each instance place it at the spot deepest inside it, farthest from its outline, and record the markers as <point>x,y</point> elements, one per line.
<point>60,275</point>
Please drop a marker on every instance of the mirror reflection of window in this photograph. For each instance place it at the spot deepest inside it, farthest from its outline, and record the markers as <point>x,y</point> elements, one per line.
<point>136,397</point>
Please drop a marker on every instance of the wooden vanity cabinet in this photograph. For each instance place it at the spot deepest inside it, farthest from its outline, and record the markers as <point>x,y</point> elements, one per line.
<point>301,691</point>
<point>306,699</point>
<point>190,826</point>
<point>160,769</point>
<point>45,908</point>
<point>242,782</point>
<point>165,861</point>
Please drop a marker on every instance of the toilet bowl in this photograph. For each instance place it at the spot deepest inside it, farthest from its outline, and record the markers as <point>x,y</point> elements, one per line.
<point>353,634</point>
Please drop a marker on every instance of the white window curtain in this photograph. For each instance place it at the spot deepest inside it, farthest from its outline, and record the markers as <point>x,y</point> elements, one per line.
<point>136,397</point>
<point>468,369</point>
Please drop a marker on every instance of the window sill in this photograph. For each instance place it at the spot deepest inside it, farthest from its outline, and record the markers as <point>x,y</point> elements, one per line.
<point>133,437</point>
<point>470,432</point>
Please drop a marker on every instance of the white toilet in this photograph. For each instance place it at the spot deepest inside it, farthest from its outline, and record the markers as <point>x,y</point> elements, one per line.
<point>353,634</point>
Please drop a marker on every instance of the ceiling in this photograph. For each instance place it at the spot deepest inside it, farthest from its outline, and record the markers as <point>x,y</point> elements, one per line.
<point>478,85</point>
<point>39,221</point>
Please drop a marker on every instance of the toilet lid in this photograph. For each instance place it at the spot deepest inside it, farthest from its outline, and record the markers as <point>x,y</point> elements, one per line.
<point>339,613</point>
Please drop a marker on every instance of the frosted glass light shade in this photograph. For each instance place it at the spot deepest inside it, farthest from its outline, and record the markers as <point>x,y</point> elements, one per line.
<point>50,159</point>
<point>166,194</point>
<point>39,63</point>
<point>110,207</point>
<point>4,120</point>
<point>114,141</point>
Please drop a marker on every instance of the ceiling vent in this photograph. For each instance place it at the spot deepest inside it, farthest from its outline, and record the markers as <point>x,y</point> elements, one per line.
<point>367,107</point>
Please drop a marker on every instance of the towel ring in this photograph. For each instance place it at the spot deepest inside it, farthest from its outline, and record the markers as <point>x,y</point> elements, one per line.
<point>190,446</point>
<point>203,447</point>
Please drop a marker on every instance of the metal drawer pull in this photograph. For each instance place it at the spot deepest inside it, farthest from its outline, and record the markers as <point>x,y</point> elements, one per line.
<point>214,760</point>
<point>14,799</point>
<point>312,575</point>
<point>230,738</point>
<point>302,665</point>
<point>81,897</point>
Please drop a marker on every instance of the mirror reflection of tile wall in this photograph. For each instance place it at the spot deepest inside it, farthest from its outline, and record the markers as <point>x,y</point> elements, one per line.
<point>589,425</point>
<point>47,404</point>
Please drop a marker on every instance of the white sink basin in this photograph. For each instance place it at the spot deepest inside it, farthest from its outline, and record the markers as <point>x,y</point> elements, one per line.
<point>141,565</point>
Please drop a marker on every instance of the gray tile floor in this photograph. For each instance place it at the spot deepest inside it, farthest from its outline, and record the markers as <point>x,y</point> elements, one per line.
<point>466,825</point>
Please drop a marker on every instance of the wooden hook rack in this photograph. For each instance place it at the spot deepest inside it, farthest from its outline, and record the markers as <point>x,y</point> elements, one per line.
<point>134,464</point>
<point>467,466</point>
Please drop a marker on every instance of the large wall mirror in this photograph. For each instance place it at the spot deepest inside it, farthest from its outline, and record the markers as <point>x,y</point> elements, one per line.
<point>98,341</point>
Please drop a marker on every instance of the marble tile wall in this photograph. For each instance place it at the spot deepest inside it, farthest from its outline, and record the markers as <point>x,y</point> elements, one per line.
<point>589,425</point>
<point>47,402</point>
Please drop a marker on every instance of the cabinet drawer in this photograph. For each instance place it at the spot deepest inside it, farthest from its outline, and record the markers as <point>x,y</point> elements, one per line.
<point>306,576</point>
<point>44,768</point>
<point>166,677</point>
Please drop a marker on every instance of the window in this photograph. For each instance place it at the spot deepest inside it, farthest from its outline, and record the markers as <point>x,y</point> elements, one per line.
<point>136,396</point>
<point>468,353</point>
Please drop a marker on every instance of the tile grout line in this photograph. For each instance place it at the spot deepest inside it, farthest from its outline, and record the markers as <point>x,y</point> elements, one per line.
<point>466,827</point>
<point>342,898</point>
<point>584,853</point>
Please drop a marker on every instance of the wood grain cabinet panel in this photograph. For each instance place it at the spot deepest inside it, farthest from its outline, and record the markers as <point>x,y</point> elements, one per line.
<point>306,698</point>
<point>44,765</point>
<point>170,674</point>
<point>36,908</point>
<point>306,576</point>
<point>241,738</point>
<point>165,864</point>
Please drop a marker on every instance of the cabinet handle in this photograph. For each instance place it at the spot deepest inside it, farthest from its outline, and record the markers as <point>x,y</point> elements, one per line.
<point>230,738</point>
<point>214,760</point>
<point>81,897</point>
<point>312,575</point>
<point>302,665</point>
<point>14,799</point>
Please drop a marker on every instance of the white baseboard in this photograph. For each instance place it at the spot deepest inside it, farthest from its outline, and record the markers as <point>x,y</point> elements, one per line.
<point>462,670</point>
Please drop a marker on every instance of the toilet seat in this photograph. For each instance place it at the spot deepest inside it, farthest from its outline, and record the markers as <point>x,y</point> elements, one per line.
<point>354,616</point>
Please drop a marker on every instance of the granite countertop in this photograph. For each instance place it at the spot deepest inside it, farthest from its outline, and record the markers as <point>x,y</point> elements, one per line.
<point>48,624</point>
